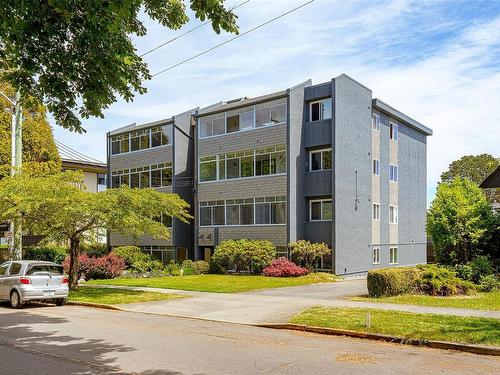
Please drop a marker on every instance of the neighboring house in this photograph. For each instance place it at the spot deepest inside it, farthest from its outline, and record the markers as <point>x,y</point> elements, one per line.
<point>325,163</point>
<point>493,182</point>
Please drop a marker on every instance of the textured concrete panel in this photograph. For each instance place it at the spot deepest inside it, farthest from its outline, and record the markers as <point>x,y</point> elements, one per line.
<point>157,155</point>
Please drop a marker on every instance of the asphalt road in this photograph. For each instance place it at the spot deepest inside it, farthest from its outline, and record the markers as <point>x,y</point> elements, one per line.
<point>74,340</point>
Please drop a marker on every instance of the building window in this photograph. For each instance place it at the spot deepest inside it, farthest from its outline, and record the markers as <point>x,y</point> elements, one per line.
<point>376,255</point>
<point>393,255</point>
<point>393,214</point>
<point>376,167</point>
<point>393,173</point>
<point>376,122</point>
<point>320,160</point>
<point>376,211</point>
<point>164,254</point>
<point>161,136</point>
<point>249,211</point>
<point>394,129</point>
<point>249,163</point>
<point>320,110</point>
<point>141,139</point>
<point>159,175</point>
<point>248,118</point>
<point>320,210</point>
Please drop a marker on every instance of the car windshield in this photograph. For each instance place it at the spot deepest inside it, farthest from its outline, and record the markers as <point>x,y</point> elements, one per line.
<point>45,268</point>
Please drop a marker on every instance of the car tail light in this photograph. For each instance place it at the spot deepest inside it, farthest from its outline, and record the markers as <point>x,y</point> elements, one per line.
<point>65,280</point>
<point>25,280</point>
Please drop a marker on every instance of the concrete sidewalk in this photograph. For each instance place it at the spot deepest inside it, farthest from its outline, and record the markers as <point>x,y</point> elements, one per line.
<point>276,305</point>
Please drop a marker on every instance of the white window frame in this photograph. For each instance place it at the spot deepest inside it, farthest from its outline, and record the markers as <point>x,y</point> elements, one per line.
<point>376,255</point>
<point>322,201</point>
<point>393,214</point>
<point>376,167</point>
<point>376,211</point>
<point>395,173</point>
<point>321,101</point>
<point>391,133</point>
<point>321,167</point>
<point>393,255</point>
<point>376,122</point>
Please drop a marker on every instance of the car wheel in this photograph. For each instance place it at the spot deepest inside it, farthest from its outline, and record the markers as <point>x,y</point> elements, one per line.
<point>15,300</point>
<point>60,301</point>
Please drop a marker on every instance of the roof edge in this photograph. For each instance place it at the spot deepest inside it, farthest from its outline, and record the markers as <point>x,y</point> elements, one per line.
<point>401,116</point>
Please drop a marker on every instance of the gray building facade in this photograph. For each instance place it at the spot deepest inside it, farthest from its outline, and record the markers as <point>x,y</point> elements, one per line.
<point>325,163</point>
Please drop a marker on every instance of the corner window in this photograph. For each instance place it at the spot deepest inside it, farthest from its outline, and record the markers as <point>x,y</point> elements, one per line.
<point>393,173</point>
<point>320,110</point>
<point>320,210</point>
<point>394,129</point>
<point>376,122</point>
<point>376,167</point>
<point>320,160</point>
<point>376,255</point>
<point>393,214</point>
<point>393,255</point>
<point>376,211</point>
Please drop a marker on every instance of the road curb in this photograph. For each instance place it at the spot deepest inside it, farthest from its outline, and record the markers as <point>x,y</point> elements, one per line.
<point>476,349</point>
<point>96,305</point>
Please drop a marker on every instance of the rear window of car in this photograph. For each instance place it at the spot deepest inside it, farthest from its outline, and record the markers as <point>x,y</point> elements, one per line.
<point>15,268</point>
<point>53,270</point>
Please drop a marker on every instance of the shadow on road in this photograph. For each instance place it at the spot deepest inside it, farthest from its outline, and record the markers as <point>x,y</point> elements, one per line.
<point>76,356</point>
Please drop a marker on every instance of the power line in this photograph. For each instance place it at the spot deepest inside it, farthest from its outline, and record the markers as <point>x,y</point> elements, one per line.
<point>230,40</point>
<point>185,33</point>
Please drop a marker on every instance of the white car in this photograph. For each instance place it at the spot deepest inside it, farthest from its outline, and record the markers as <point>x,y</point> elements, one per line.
<point>32,280</point>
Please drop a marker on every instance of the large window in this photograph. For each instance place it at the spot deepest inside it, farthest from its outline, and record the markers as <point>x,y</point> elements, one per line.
<point>249,211</point>
<point>242,164</point>
<point>320,210</point>
<point>159,175</point>
<point>320,110</point>
<point>141,139</point>
<point>164,254</point>
<point>376,122</point>
<point>394,131</point>
<point>393,255</point>
<point>393,173</point>
<point>393,214</point>
<point>320,160</point>
<point>242,119</point>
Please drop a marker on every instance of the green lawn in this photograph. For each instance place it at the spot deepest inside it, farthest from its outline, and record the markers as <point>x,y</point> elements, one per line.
<point>219,283</point>
<point>116,296</point>
<point>404,324</point>
<point>482,301</point>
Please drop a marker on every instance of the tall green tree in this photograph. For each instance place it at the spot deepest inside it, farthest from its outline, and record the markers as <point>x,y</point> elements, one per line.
<point>77,56</point>
<point>57,208</point>
<point>472,167</point>
<point>458,220</point>
<point>40,154</point>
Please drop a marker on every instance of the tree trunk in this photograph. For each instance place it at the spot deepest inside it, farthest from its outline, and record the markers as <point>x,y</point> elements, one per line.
<point>74,252</point>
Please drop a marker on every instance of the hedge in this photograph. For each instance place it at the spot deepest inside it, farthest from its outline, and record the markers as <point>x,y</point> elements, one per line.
<point>392,281</point>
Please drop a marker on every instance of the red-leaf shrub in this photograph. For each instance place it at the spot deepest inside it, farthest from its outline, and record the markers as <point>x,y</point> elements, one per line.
<point>105,267</point>
<point>282,267</point>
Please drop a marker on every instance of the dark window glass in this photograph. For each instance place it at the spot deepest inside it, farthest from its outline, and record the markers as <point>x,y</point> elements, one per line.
<point>125,180</point>
<point>315,111</point>
<point>166,177</point>
<point>134,144</point>
<point>262,165</point>
<point>233,168</point>
<point>166,220</point>
<point>315,161</point>
<point>246,214</point>
<point>156,139</point>
<point>124,144</point>
<point>145,179</point>
<point>166,134</point>
<point>115,181</point>
<point>218,215</point>
<point>156,178</point>
<point>101,179</point>
<point>278,213</point>
<point>15,268</point>
<point>134,180</point>
<point>315,211</point>
<point>233,124</point>
<point>247,166</point>
<point>232,215</point>
<point>222,169</point>
<point>115,147</point>
<point>205,216</point>
<point>208,171</point>
<point>262,213</point>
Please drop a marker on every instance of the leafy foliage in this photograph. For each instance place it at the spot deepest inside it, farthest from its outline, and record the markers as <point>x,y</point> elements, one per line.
<point>131,254</point>
<point>106,267</point>
<point>282,267</point>
<point>392,281</point>
<point>489,283</point>
<point>200,267</point>
<point>441,281</point>
<point>308,254</point>
<point>46,253</point>
<point>244,255</point>
<point>78,55</point>
<point>480,266</point>
<point>40,155</point>
<point>475,168</point>
<point>458,219</point>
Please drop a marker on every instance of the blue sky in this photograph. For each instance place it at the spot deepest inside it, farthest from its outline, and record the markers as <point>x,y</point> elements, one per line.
<point>437,61</point>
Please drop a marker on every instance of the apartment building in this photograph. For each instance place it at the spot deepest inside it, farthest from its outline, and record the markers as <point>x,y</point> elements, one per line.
<point>159,155</point>
<point>326,163</point>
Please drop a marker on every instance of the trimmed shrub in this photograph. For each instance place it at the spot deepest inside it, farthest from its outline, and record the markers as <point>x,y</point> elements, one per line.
<point>200,267</point>
<point>392,281</point>
<point>489,283</point>
<point>282,267</point>
<point>106,267</point>
<point>308,254</point>
<point>441,281</point>
<point>243,255</point>
<point>481,266</point>
<point>464,271</point>
<point>46,253</point>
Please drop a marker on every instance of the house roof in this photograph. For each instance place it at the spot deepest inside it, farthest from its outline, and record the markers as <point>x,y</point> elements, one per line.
<point>493,180</point>
<point>72,159</point>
